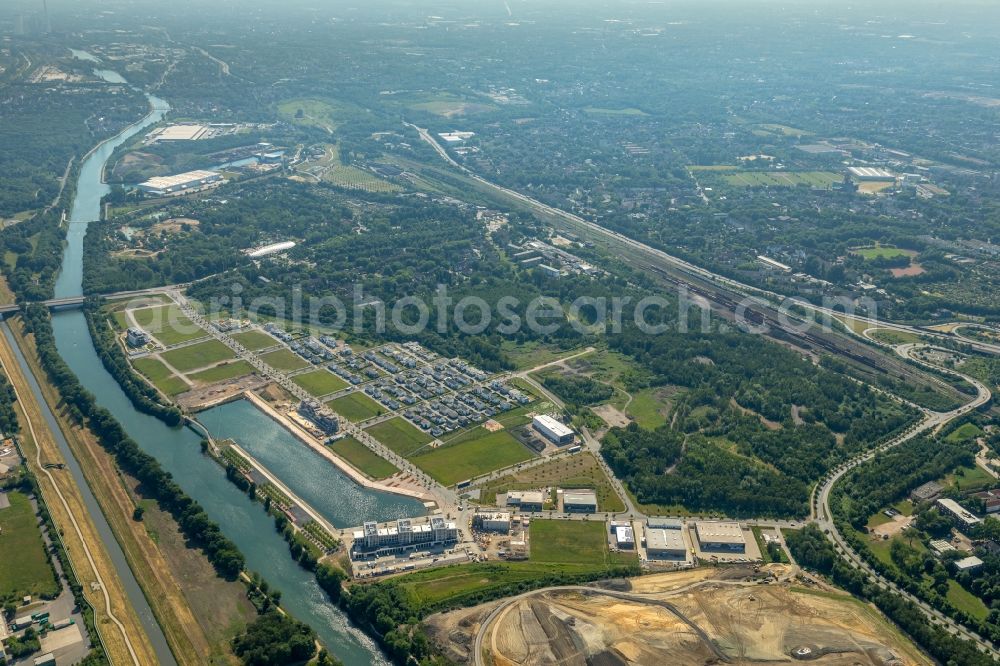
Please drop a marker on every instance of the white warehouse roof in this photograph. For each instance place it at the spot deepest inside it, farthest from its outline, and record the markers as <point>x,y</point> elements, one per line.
<point>555,427</point>
<point>166,182</point>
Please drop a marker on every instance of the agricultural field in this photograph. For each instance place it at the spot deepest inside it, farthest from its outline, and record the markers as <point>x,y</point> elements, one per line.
<point>362,458</point>
<point>320,382</point>
<point>820,179</point>
<point>24,565</point>
<point>472,456</point>
<point>223,371</point>
<point>284,360</point>
<point>161,377</point>
<point>579,471</point>
<point>573,542</point>
<point>198,355</point>
<point>399,435</point>
<point>254,340</point>
<point>356,407</point>
<point>167,324</point>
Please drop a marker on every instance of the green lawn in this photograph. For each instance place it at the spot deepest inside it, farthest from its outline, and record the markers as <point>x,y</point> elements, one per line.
<point>362,458</point>
<point>168,324</point>
<point>284,360</point>
<point>628,111</point>
<point>356,407</point>
<point>964,600</point>
<point>197,356</point>
<point>223,371</point>
<point>162,378</point>
<point>573,542</point>
<point>254,340</point>
<point>969,478</point>
<point>399,435</point>
<point>24,566</point>
<point>472,457</point>
<point>892,337</point>
<point>964,431</point>
<point>320,382</point>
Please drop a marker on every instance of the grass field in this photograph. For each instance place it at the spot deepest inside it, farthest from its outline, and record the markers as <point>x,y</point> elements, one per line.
<point>162,378</point>
<point>882,251</point>
<point>579,471</point>
<point>223,371</point>
<point>964,600</point>
<point>821,179</point>
<point>362,458</point>
<point>399,435</point>
<point>326,114</point>
<point>647,408</point>
<point>964,431</point>
<point>356,407</point>
<point>254,340</point>
<point>167,324</point>
<point>457,462</point>
<point>573,542</point>
<point>197,356</point>
<point>320,382</point>
<point>968,479</point>
<point>599,111</point>
<point>894,337</point>
<point>24,566</point>
<point>443,585</point>
<point>783,130</point>
<point>284,360</point>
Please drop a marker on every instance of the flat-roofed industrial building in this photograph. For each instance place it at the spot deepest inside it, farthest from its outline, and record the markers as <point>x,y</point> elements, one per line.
<point>552,430</point>
<point>713,535</point>
<point>963,518</point>
<point>494,521</point>
<point>624,537</point>
<point>579,501</point>
<point>181,182</point>
<point>526,500</point>
<point>664,543</point>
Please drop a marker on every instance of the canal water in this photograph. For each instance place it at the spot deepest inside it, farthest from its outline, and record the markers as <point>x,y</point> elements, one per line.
<point>178,449</point>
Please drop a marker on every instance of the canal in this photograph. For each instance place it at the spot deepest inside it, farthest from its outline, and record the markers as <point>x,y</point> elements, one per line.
<point>178,449</point>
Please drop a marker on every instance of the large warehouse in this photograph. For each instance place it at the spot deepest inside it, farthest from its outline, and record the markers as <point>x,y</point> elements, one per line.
<point>552,429</point>
<point>579,501</point>
<point>720,536</point>
<point>665,543</point>
<point>164,185</point>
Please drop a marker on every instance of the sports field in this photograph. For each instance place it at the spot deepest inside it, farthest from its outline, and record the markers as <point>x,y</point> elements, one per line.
<point>167,324</point>
<point>162,378</point>
<point>24,566</point>
<point>883,252</point>
<point>197,356</point>
<point>355,407</point>
<point>254,340</point>
<point>399,435</point>
<point>223,371</point>
<point>284,360</point>
<point>362,458</point>
<point>821,179</point>
<point>457,462</point>
<point>320,382</point>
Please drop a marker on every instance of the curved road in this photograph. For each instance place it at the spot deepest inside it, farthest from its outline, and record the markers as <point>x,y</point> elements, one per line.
<point>933,421</point>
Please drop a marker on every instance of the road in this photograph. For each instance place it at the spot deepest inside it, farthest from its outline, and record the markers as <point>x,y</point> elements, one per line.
<point>932,422</point>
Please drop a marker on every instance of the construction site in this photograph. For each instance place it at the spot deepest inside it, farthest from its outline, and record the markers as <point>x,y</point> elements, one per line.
<point>738,615</point>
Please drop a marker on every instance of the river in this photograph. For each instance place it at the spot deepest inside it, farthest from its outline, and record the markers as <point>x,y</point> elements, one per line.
<point>178,449</point>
